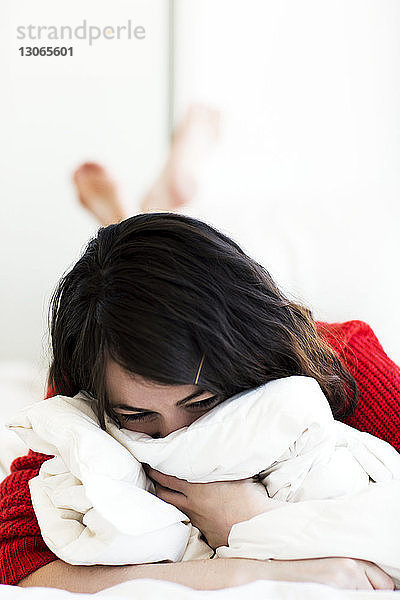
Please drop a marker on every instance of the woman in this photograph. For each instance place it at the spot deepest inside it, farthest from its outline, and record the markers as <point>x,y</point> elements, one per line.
<point>160,309</point>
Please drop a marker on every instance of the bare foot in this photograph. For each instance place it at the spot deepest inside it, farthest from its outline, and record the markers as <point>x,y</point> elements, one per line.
<point>98,193</point>
<point>178,181</point>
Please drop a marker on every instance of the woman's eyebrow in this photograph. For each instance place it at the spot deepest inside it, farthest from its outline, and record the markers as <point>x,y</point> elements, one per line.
<point>195,394</point>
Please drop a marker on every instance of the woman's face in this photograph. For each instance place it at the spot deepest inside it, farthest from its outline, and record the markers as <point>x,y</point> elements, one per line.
<point>151,408</point>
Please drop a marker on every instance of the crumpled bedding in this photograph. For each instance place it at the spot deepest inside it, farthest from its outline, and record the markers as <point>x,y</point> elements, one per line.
<point>95,505</point>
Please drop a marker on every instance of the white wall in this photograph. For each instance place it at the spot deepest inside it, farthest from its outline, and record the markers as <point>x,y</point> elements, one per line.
<point>107,103</point>
<point>307,176</point>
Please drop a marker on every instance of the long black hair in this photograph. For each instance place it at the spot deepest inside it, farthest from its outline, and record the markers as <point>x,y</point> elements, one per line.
<point>162,293</point>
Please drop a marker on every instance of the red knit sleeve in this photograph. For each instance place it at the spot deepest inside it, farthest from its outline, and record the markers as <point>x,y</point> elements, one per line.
<point>377,377</point>
<point>22,549</point>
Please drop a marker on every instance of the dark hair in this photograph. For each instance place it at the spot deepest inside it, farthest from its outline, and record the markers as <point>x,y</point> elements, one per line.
<point>158,291</point>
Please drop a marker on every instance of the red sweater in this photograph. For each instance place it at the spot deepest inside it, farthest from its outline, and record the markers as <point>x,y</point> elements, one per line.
<point>22,549</point>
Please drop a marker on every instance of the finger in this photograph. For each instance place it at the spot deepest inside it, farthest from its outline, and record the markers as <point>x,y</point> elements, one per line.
<point>170,496</point>
<point>378,578</point>
<point>168,481</point>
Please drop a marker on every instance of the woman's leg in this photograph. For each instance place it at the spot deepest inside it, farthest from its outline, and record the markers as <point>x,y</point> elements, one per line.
<point>98,193</point>
<point>175,186</point>
<point>177,183</point>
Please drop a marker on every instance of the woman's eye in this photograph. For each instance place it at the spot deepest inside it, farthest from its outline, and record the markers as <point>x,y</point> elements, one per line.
<point>134,417</point>
<point>204,403</point>
<point>147,416</point>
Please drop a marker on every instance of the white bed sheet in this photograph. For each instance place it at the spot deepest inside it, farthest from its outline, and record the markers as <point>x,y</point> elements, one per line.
<point>148,589</point>
<point>20,385</point>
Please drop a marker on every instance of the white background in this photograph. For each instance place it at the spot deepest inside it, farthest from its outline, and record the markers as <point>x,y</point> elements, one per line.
<point>107,103</point>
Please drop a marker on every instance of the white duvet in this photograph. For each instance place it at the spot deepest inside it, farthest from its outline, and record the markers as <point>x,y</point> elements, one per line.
<point>95,505</point>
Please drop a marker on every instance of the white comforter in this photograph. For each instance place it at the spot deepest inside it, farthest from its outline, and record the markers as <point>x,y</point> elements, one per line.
<point>94,503</point>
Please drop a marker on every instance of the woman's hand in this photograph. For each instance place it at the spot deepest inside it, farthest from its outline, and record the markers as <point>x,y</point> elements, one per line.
<point>214,507</point>
<point>344,573</point>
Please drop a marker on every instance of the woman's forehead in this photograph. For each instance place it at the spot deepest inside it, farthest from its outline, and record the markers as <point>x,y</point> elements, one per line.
<point>127,388</point>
